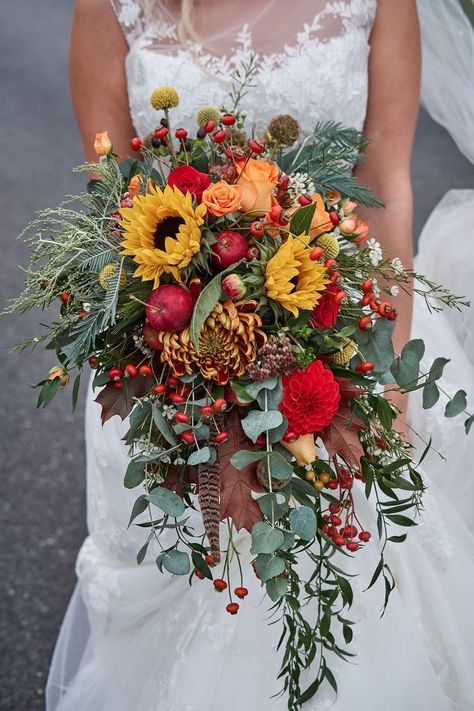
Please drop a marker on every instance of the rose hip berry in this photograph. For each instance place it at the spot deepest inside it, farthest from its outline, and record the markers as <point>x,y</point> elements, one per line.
<point>219,584</point>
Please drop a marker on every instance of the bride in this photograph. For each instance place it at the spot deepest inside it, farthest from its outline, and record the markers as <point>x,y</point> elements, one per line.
<point>132,639</point>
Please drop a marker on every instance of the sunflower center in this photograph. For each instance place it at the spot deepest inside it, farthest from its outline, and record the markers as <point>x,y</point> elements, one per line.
<point>166,228</point>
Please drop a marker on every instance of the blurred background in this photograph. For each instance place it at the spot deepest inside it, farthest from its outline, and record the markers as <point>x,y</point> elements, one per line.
<point>42,452</point>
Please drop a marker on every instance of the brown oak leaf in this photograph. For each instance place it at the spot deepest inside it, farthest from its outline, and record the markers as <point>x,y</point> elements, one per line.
<point>342,435</point>
<point>348,390</point>
<point>237,484</point>
<point>120,402</point>
<point>174,482</point>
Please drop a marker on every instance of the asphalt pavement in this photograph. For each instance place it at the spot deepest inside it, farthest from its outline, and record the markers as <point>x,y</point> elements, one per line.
<point>42,513</point>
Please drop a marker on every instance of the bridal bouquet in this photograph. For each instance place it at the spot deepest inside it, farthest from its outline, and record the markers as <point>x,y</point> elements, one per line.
<point>230,301</point>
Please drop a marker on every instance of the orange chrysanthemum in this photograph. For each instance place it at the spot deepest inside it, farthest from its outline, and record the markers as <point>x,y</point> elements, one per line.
<point>227,344</point>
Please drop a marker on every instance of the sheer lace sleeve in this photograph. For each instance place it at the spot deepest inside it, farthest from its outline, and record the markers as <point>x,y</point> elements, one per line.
<point>130,15</point>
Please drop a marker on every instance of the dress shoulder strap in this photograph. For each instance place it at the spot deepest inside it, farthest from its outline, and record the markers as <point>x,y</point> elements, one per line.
<point>131,17</point>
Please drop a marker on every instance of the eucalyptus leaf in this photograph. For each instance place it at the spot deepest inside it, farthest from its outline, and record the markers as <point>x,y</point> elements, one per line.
<point>277,433</point>
<point>134,475</point>
<point>243,458</point>
<point>289,541</point>
<point>276,588</point>
<point>266,539</point>
<point>140,505</point>
<point>456,405</point>
<point>430,394</point>
<point>303,522</point>
<point>269,566</point>
<point>176,562</point>
<point>254,388</point>
<point>376,344</point>
<point>468,424</point>
<point>406,368</point>
<point>163,425</point>
<point>279,502</point>
<point>167,501</point>
<point>269,399</point>
<point>199,456</point>
<point>257,422</point>
<point>280,468</point>
<point>430,389</point>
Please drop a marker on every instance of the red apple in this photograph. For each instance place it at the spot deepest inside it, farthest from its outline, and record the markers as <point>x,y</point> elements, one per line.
<point>169,308</point>
<point>151,337</point>
<point>230,248</point>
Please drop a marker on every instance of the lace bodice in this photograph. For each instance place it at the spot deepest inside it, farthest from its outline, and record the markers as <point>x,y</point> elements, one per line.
<point>312,62</point>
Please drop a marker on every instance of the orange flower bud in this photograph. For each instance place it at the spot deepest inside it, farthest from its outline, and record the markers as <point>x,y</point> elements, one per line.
<point>102,144</point>
<point>57,371</point>
<point>303,449</point>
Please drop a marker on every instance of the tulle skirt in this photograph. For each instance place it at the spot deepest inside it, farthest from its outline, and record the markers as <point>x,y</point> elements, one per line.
<point>136,640</point>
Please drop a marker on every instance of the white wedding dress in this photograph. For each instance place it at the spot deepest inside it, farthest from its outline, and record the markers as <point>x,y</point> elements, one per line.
<point>136,640</point>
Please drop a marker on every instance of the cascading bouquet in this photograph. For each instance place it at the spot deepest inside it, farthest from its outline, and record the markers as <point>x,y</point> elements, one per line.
<point>228,297</point>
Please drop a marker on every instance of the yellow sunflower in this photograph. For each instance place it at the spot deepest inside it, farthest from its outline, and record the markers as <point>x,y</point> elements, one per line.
<point>292,279</point>
<point>162,232</point>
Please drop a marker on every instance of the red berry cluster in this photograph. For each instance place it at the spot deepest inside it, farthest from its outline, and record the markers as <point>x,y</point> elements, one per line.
<point>340,516</point>
<point>220,585</point>
<point>117,374</point>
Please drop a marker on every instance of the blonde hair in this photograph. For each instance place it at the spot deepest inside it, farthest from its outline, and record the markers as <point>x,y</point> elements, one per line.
<point>186,29</point>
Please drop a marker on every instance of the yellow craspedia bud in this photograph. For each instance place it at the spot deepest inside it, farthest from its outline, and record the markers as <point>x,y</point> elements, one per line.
<point>329,244</point>
<point>318,485</point>
<point>165,97</point>
<point>207,113</point>
<point>106,274</point>
<point>345,354</point>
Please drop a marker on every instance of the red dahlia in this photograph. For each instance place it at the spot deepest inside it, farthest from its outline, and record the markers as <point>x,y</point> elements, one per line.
<point>326,311</point>
<point>310,399</point>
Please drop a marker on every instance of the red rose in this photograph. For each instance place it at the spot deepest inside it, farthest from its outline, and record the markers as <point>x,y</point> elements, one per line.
<point>189,180</point>
<point>310,399</point>
<point>326,311</point>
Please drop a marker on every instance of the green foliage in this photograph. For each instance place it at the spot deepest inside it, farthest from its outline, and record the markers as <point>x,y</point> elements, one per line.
<point>406,367</point>
<point>301,220</point>
<point>430,389</point>
<point>303,522</point>
<point>375,345</point>
<point>266,539</point>
<point>257,422</point>
<point>456,405</point>
<point>167,501</point>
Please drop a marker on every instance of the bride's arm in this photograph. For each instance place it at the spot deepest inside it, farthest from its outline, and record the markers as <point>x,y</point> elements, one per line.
<point>97,76</point>
<point>394,85</point>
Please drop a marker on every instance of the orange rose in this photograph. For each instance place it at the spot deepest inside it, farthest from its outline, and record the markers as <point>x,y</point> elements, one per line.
<point>362,231</point>
<point>348,206</point>
<point>102,144</point>
<point>222,198</point>
<point>258,180</point>
<point>134,186</point>
<point>353,225</point>
<point>303,449</point>
<point>321,220</point>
